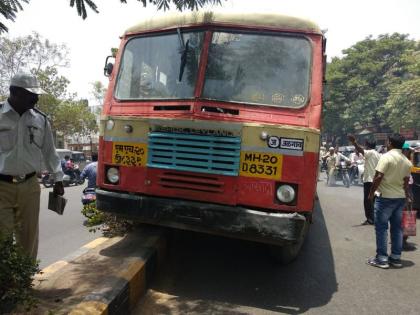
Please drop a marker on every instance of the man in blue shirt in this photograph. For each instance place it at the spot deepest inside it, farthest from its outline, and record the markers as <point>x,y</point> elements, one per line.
<point>90,171</point>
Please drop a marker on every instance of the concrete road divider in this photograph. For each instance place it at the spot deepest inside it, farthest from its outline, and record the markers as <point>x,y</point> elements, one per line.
<point>106,276</point>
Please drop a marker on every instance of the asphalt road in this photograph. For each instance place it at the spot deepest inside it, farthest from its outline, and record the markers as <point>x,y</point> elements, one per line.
<point>213,275</point>
<point>60,236</point>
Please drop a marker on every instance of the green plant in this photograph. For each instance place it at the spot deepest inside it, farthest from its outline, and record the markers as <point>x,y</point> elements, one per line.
<point>108,224</point>
<point>16,276</point>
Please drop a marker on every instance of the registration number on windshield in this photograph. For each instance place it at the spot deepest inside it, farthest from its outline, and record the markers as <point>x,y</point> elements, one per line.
<point>262,165</point>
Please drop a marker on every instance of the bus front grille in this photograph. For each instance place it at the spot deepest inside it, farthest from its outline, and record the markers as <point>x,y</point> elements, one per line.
<point>190,182</point>
<point>194,153</point>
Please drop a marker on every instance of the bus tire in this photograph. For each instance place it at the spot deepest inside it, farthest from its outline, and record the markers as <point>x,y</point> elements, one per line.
<point>287,253</point>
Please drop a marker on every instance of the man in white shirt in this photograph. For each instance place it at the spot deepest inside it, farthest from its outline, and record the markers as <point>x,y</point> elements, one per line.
<point>25,141</point>
<point>371,160</point>
<point>355,159</point>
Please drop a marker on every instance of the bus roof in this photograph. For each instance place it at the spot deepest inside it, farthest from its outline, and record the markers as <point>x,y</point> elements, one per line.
<point>265,20</point>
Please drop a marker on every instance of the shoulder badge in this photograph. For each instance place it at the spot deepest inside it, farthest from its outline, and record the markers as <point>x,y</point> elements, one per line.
<point>40,112</point>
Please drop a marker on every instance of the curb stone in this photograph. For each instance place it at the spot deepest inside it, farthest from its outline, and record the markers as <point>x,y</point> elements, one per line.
<point>106,276</point>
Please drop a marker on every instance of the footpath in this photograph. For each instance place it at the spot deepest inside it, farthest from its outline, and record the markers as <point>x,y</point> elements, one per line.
<point>106,276</point>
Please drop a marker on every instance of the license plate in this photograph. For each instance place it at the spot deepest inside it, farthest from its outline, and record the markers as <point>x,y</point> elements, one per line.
<point>129,154</point>
<point>262,165</point>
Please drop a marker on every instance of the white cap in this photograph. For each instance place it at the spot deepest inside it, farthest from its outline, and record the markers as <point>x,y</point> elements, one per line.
<point>331,148</point>
<point>28,82</point>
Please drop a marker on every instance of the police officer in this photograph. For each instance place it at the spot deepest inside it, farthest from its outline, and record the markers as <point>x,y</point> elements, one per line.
<point>25,141</point>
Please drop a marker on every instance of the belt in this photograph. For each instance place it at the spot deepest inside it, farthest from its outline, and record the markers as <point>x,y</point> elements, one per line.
<point>16,179</point>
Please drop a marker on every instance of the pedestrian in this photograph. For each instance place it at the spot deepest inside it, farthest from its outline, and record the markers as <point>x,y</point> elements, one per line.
<point>329,159</point>
<point>355,159</point>
<point>391,185</point>
<point>67,166</point>
<point>407,151</point>
<point>25,142</point>
<point>371,157</point>
<point>89,171</point>
<point>333,158</point>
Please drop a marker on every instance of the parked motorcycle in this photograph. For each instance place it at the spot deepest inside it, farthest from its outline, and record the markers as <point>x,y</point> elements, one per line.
<point>342,173</point>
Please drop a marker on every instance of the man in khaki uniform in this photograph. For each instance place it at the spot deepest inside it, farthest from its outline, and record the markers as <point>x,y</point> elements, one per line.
<point>333,158</point>
<point>25,141</point>
<point>391,185</point>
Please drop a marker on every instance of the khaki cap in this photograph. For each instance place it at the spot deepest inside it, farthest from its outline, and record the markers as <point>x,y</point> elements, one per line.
<point>28,82</point>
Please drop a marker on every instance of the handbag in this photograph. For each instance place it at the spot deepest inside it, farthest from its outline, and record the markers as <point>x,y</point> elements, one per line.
<point>408,222</point>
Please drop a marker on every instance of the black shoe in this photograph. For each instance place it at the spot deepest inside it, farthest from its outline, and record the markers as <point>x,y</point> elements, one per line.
<point>396,263</point>
<point>408,247</point>
<point>367,222</point>
<point>375,262</point>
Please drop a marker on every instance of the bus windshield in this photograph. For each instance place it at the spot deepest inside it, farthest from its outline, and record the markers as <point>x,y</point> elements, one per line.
<point>258,68</point>
<point>160,67</point>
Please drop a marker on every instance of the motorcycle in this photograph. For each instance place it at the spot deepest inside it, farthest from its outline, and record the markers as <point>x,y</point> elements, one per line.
<point>88,195</point>
<point>356,172</point>
<point>342,173</point>
<point>74,179</point>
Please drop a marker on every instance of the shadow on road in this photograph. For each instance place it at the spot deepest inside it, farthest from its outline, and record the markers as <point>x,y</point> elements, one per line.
<point>206,274</point>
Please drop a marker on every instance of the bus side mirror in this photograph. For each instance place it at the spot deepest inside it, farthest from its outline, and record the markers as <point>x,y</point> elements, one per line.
<point>109,66</point>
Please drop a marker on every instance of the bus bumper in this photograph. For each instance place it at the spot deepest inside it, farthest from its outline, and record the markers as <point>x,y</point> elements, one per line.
<point>236,222</point>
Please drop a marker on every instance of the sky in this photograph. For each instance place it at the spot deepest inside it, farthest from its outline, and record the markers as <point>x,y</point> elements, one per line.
<point>90,40</point>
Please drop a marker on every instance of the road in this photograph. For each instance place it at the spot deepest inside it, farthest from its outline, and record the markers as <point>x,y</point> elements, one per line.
<point>212,275</point>
<point>60,236</point>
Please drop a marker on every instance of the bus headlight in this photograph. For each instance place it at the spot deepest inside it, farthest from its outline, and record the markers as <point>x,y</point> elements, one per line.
<point>286,193</point>
<point>113,175</point>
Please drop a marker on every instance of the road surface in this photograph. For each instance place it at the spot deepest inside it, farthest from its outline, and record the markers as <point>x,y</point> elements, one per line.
<point>60,236</point>
<point>213,275</point>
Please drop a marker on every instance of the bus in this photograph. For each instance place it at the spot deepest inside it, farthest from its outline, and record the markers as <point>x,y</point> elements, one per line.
<point>211,123</point>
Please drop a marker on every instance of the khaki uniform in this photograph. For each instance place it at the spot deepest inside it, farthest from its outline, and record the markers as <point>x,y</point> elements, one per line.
<point>25,142</point>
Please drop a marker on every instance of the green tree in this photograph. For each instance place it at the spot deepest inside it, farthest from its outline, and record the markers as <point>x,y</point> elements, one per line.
<point>361,83</point>
<point>67,114</point>
<point>73,117</point>
<point>9,8</point>
<point>29,53</point>
<point>98,92</point>
<point>180,5</point>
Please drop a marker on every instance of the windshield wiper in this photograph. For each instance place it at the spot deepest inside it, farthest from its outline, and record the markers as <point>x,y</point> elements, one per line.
<point>184,53</point>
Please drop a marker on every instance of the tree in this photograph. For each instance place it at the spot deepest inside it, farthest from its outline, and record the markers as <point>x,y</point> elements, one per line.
<point>403,105</point>
<point>74,118</point>
<point>67,114</point>
<point>9,8</point>
<point>362,82</point>
<point>180,5</point>
<point>29,53</point>
<point>98,92</point>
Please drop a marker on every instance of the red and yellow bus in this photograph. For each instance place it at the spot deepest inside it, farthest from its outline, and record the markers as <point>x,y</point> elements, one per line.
<point>211,123</point>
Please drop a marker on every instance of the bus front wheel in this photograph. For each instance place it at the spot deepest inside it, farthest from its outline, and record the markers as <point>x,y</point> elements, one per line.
<point>287,253</point>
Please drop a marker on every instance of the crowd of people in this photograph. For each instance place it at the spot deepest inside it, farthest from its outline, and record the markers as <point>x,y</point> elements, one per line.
<point>386,192</point>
